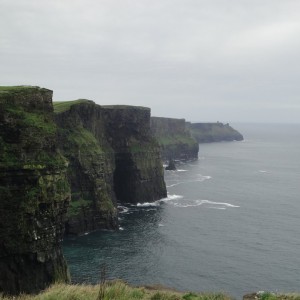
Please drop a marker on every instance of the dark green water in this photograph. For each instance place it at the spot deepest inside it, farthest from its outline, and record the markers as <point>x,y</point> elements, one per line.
<point>230,223</point>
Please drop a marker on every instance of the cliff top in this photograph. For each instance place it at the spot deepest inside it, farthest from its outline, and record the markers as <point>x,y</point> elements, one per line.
<point>124,107</point>
<point>166,118</point>
<point>61,106</point>
<point>20,89</point>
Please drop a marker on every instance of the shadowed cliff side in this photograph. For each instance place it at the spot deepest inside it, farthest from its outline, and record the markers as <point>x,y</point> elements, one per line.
<point>213,132</point>
<point>83,141</point>
<point>139,175</point>
<point>34,192</point>
<point>174,139</point>
<point>112,157</point>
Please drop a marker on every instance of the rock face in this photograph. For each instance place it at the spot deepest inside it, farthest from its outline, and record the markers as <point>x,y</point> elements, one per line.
<point>113,157</point>
<point>82,140</point>
<point>138,176</point>
<point>67,168</point>
<point>174,139</point>
<point>213,132</point>
<point>34,192</point>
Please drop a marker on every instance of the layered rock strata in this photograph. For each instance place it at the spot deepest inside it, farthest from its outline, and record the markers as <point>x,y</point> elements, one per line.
<point>113,158</point>
<point>83,142</point>
<point>34,192</point>
<point>138,176</point>
<point>174,139</point>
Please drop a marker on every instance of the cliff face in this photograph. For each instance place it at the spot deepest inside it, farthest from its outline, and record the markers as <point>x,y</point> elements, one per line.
<point>113,157</point>
<point>138,176</point>
<point>90,154</point>
<point>34,192</point>
<point>83,141</point>
<point>214,132</point>
<point>174,139</point>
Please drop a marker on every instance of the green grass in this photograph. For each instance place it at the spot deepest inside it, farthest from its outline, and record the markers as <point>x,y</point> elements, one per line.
<point>117,290</point>
<point>124,107</point>
<point>61,106</point>
<point>175,139</point>
<point>76,206</point>
<point>17,88</point>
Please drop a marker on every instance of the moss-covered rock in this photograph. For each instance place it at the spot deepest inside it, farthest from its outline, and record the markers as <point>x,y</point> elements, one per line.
<point>174,139</point>
<point>34,192</point>
<point>82,140</point>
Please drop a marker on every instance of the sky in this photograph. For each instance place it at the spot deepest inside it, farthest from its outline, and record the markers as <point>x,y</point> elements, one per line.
<point>202,60</point>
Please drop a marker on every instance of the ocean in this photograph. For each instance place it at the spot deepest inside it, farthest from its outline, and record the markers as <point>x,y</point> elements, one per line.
<point>230,223</point>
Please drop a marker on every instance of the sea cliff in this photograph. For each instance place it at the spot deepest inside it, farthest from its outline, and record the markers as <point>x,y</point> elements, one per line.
<point>34,192</point>
<point>66,169</point>
<point>174,138</point>
<point>213,132</point>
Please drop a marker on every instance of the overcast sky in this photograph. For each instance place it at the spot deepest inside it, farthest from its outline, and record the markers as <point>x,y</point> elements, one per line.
<point>203,60</point>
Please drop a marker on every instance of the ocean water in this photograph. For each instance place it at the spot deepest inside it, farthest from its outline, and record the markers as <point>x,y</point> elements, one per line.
<point>231,222</point>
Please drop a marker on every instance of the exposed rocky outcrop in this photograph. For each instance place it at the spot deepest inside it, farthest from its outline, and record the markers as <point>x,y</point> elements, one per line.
<point>34,192</point>
<point>113,157</point>
<point>83,141</point>
<point>96,156</point>
<point>213,132</point>
<point>138,176</point>
<point>174,139</point>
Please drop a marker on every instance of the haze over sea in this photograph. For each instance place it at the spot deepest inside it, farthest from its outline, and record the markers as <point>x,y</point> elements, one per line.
<point>230,222</point>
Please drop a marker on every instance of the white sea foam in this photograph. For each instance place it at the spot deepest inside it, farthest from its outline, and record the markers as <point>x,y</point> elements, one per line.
<point>123,209</point>
<point>121,228</point>
<point>193,203</point>
<point>161,225</point>
<point>181,170</point>
<point>170,198</point>
<point>147,204</point>
<point>263,171</point>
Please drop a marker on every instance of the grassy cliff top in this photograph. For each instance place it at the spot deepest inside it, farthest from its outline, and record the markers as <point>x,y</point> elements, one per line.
<point>115,291</point>
<point>61,106</point>
<point>124,107</point>
<point>20,88</point>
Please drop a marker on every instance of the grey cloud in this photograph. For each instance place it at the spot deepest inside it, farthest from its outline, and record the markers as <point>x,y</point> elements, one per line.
<point>198,59</point>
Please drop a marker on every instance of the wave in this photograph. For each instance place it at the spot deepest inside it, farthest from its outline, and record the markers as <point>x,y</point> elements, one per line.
<point>263,171</point>
<point>200,179</point>
<point>181,170</point>
<point>121,228</point>
<point>123,209</point>
<point>147,204</point>
<point>170,198</point>
<point>218,205</point>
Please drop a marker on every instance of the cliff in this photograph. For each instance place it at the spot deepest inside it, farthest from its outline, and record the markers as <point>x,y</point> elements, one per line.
<point>213,132</point>
<point>34,192</point>
<point>83,142</point>
<point>139,175</point>
<point>68,168</point>
<point>113,158</point>
<point>174,139</point>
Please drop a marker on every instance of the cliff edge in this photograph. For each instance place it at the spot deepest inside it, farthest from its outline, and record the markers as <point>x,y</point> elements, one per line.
<point>213,132</point>
<point>34,192</point>
<point>174,139</point>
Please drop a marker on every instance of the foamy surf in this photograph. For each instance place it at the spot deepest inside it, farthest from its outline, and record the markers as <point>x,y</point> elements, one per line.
<point>215,205</point>
<point>200,179</point>
<point>170,198</point>
<point>147,204</point>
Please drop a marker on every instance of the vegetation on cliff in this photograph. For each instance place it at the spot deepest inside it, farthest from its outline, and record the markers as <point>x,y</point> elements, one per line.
<point>213,132</point>
<point>34,192</point>
<point>116,291</point>
<point>174,139</point>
